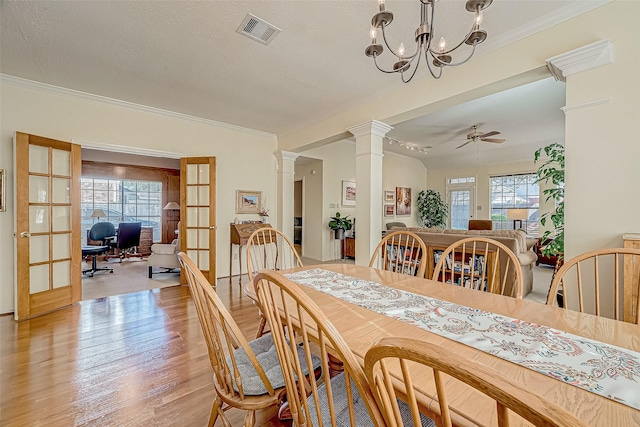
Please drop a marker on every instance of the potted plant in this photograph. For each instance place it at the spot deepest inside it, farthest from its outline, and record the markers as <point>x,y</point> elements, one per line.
<point>340,224</point>
<point>552,169</point>
<point>432,210</point>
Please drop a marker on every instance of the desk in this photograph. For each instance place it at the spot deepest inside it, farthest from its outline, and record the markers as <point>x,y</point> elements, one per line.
<point>361,328</point>
<point>239,235</point>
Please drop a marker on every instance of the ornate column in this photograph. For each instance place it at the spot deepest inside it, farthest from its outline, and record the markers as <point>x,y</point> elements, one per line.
<point>369,202</point>
<point>286,168</point>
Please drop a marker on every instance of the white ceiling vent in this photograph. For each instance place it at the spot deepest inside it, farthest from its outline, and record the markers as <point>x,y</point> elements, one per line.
<point>257,29</point>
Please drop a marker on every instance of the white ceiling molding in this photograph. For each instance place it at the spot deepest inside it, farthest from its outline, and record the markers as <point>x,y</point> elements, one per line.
<point>17,81</point>
<point>126,149</point>
<point>584,58</point>
<point>287,155</point>
<point>373,127</point>
<point>587,104</point>
<point>570,11</point>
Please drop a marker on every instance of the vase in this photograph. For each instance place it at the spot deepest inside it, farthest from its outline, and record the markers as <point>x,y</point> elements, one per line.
<point>339,234</point>
<point>263,219</point>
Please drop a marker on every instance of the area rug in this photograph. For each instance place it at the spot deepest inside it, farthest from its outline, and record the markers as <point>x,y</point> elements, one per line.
<point>132,275</point>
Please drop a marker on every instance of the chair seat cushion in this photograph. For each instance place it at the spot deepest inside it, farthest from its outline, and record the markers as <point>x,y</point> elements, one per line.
<point>362,417</point>
<point>265,352</point>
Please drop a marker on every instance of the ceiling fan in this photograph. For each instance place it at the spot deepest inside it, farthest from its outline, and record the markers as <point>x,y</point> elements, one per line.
<point>479,136</point>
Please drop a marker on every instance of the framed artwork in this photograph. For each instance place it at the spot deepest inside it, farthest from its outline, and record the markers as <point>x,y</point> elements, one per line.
<point>3,193</point>
<point>389,210</point>
<point>248,201</point>
<point>348,193</point>
<point>388,196</point>
<point>403,201</point>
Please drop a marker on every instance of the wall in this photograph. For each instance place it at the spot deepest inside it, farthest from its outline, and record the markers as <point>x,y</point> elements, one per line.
<point>437,180</point>
<point>245,158</point>
<point>313,228</point>
<point>339,165</point>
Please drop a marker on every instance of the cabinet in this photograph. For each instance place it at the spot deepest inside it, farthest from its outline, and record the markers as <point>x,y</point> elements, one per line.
<point>479,272</point>
<point>349,247</point>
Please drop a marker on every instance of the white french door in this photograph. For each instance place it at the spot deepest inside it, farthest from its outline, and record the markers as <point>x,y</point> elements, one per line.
<point>461,207</point>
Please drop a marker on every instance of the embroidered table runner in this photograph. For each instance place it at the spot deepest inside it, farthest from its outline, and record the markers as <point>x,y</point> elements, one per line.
<point>604,369</point>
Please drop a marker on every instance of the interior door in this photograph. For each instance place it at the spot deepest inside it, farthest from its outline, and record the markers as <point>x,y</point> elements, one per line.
<point>48,248</point>
<point>462,202</point>
<point>198,214</point>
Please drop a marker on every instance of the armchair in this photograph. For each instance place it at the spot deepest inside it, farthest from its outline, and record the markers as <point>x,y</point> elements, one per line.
<point>164,255</point>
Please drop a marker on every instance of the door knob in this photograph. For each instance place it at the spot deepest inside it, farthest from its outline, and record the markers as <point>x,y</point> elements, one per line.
<point>25,234</point>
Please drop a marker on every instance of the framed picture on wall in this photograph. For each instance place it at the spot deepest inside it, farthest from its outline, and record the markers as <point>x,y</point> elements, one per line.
<point>248,201</point>
<point>403,201</point>
<point>389,210</point>
<point>348,193</point>
<point>388,196</point>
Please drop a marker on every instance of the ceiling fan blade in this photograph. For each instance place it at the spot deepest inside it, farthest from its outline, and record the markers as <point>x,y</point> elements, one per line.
<point>493,132</point>
<point>468,142</point>
<point>497,141</point>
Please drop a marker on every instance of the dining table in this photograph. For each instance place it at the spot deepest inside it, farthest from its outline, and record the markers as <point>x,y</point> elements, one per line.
<point>361,326</point>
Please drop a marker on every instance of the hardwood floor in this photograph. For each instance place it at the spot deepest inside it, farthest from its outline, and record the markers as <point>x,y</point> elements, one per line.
<point>129,360</point>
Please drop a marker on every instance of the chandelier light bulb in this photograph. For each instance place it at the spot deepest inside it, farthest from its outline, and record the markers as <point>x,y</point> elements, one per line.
<point>442,44</point>
<point>381,5</point>
<point>479,17</point>
<point>374,34</point>
<point>401,50</point>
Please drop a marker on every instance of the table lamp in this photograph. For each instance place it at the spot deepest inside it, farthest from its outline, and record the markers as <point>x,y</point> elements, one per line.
<point>97,213</point>
<point>517,215</point>
<point>171,206</point>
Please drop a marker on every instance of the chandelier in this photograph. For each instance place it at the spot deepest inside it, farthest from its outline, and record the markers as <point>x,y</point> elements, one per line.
<point>436,58</point>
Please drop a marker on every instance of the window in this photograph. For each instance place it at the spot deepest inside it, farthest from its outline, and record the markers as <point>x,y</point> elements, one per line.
<point>515,191</point>
<point>122,201</point>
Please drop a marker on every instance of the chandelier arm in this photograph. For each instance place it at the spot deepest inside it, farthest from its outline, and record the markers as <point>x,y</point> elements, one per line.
<point>426,60</point>
<point>381,69</point>
<point>405,57</point>
<point>455,64</point>
<point>414,71</point>
<point>473,28</point>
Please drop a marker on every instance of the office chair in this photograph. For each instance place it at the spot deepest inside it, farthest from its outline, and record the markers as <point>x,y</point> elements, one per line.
<point>104,232</point>
<point>128,238</point>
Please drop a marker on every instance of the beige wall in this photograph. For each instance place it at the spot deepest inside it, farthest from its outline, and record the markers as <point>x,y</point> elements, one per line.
<point>58,115</point>
<point>339,165</point>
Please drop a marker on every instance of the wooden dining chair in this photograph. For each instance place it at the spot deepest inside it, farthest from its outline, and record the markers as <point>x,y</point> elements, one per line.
<point>268,248</point>
<point>401,251</point>
<point>295,320</point>
<point>391,365</point>
<point>247,375</point>
<point>591,282</point>
<point>480,263</point>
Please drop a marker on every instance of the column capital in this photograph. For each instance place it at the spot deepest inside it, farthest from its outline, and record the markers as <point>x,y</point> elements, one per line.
<point>372,127</point>
<point>581,59</point>
<point>282,155</point>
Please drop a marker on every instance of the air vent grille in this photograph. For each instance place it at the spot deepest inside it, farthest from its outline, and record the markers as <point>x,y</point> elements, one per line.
<point>258,29</point>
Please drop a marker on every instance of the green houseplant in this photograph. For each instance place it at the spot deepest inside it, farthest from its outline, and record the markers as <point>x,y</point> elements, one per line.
<point>552,169</point>
<point>340,224</point>
<point>432,210</point>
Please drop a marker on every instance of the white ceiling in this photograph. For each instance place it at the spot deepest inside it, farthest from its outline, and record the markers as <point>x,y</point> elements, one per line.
<point>186,57</point>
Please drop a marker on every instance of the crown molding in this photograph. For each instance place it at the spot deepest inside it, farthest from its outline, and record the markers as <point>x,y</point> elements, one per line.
<point>558,16</point>
<point>18,81</point>
<point>581,59</point>
<point>371,127</point>
<point>588,104</point>
<point>126,149</point>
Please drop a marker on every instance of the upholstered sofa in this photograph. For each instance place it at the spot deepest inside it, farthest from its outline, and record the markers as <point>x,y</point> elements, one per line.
<point>515,240</point>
